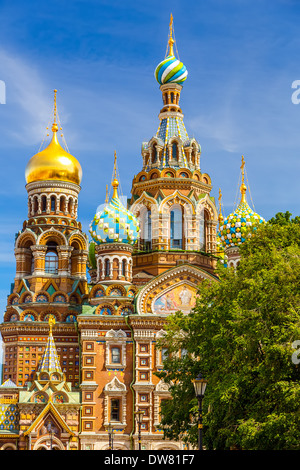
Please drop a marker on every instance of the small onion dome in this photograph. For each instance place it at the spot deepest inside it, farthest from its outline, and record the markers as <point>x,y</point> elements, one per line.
<point>114,223</point>
<point>170,70</point>
<point>238,225</point>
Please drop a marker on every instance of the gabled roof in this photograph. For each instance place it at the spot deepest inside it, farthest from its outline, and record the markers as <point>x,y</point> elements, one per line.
<point>8,384</point>
<point>49,408</point>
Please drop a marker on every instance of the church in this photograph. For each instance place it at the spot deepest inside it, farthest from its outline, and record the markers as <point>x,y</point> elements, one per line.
<point>85,311</point>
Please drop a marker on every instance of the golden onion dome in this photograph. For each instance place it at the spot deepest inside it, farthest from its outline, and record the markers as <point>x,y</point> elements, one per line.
<point>53,163</point>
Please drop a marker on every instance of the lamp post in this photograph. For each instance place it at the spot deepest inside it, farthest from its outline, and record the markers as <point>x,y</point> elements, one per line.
<point>50,432</point>
<point>200,386</point>
<point>110,430</point>
<point>139,417</point>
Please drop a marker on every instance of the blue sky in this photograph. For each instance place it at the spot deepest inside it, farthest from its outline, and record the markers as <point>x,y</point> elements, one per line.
<point>242,57</point>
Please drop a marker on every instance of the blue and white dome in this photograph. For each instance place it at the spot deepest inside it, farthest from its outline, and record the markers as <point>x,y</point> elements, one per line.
<point>114,223</point>
<point>171,70</point>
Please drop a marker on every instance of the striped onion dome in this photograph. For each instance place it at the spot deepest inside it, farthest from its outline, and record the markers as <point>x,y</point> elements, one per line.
<point>171,70</point>
<point>114,223</point>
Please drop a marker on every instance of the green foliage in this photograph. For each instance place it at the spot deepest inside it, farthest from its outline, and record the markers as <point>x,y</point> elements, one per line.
<point>240,337</point>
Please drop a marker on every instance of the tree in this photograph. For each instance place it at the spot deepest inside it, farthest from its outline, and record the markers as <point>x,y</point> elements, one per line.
<point>241,336</point>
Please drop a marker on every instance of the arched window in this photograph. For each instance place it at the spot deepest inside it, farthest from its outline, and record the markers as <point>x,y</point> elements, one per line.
<point>44,203</point>
<point>124,267</point>
<point>35,205</point>
<point>202,234</point>
<point>107,268</point>
<point>70,205</point>
<point>154,153</point>
<point>51,258</point>
<point>174,151</point>
<point>62,203</point>
<point>52,203</point>
<point>176,231</point>
<point>146,229</point>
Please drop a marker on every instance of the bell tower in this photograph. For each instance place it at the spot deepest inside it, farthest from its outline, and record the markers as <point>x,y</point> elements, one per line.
<point>171,195</point>
<point>51,255</point>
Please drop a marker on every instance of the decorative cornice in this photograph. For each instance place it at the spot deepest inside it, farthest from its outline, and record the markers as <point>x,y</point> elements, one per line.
<point>53,184</point>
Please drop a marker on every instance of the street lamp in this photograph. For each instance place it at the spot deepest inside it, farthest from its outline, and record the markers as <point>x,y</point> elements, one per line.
<point>139,417</point>
<point>50,432</point>
<point>110,430</point>
<point>200,386</point>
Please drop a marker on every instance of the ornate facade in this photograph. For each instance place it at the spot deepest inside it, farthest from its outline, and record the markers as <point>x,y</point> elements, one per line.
<point>96,367</point>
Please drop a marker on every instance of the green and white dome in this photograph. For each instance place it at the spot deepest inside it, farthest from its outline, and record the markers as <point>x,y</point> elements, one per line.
<point>115,223</point>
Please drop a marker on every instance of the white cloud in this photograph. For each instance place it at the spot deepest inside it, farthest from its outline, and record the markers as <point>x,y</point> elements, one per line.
<point>27,99</point>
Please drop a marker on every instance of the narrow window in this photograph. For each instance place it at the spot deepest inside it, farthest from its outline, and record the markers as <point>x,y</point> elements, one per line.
<point>176,227</point>
<point>115,410</point>
<point>202,234</point>
<point>107,268</point>
<point>124,267</point>
<point>52,204</point>
<point>44,203</point>
<point>174,151</point>
<point>51,259</point>
<point>115,355</point>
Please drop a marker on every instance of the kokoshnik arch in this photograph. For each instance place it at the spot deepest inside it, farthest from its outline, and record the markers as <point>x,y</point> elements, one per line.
<point>79,353</point>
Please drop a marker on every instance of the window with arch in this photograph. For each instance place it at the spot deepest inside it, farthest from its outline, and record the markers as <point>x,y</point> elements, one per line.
<point>53,203</point>
<point>44,203</point>
<point>154,153</point>
<point>124,267</point>
<point>70,205</point>
<point>51,258</point>
<point>174,151</point>
<point>202,233</point>
<point>176,224</point>
<point>35,204</point>
<point>146,229</point>
<point>107,268</point>
<point>62,203</point>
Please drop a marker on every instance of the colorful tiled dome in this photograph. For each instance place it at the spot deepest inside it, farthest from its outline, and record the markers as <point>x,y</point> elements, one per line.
<point>171,70</point>
<point>114,223</point>
<point>238,225</point>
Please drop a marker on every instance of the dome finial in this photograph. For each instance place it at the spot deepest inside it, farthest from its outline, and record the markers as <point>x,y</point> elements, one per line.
<point>54,125</point>
<point>171,40</point>
<point>221,218</point>
<point>170,70</point>
<point>115,182</point>
<point>51,322</point>
<point>243,187</point>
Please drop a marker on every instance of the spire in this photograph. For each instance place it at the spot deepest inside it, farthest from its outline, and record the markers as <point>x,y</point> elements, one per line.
<point>243,187</point>
<point>171,40</point>
<point>50,362</point>
<point>221,218</point>
<point>171,70</point>
<point>115,182</point>
<point>54,125</point>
